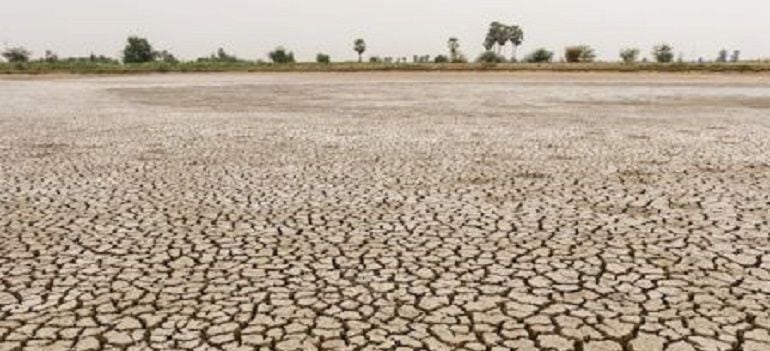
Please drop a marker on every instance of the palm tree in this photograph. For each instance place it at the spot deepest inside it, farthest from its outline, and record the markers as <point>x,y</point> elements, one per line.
<point>501,35</point>
<point>489,43</point>
<point>454,47</point>
<point>493,35</point>
<point>360,47</point>
<point>516,37</point>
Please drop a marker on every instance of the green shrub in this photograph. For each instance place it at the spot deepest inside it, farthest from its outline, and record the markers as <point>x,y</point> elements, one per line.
<point>92,59</point>
<point>629,55</point>
<point>490,57</point>
<point>281,56</point>
<point>541,55</point>
<point>323,58</point>
<point>663,53</point>
<point>460,59</point>
<point>441,59</point>
<point>579,53</point>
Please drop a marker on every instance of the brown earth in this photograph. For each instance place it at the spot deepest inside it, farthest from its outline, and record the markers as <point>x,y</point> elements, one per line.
<point>403,211</point>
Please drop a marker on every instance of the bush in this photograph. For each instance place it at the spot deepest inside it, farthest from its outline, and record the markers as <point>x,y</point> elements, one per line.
<point>541,55</point>
<point>281,56</point>
<point>92,59</point>
<point>421,59</point>
<point>490,57</point>
<point>629,55</point>
<point>17,54</point>
<point>441,59</point>
<point>166,57</point>
<point>579,53</point>
<point>460,59</point>
<point>138,50</point>
<point>221,56</point>
<point>323,58</point>
<point>663,53</point>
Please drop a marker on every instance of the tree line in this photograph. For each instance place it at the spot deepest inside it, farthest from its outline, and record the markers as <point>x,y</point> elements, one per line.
<point>139,50</point>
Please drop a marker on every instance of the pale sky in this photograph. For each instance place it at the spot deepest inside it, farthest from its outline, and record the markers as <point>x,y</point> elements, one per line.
<point>397,28</point>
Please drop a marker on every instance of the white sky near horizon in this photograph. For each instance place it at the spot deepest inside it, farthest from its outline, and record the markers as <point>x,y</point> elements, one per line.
<point>396,28</point>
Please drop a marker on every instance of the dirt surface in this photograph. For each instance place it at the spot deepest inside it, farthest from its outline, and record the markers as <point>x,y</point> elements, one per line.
<point>473,211</point>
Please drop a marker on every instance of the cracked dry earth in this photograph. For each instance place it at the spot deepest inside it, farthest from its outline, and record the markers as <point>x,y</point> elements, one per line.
<point>586,212</point>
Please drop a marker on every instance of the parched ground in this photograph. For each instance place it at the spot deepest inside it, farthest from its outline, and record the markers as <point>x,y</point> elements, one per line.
<point>385,211</point>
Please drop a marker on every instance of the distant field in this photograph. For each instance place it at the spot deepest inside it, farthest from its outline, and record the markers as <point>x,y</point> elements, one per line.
<point>102,68</point>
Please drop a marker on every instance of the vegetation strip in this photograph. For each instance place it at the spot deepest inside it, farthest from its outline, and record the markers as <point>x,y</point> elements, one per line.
<point>139,56</point>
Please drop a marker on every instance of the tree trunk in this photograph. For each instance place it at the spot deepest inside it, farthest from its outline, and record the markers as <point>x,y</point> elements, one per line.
<point>513,53</point>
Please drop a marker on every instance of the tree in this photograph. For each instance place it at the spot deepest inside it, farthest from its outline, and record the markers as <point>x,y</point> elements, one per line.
<point>495,36</point>
<point>539,56</point>
<point>516,37</point>
<point>500,34</point>
<point>50,57</point>
<point>663,53</point>
<point>579,53</point>
<point>454,49</point>
<point>736,56</point>
<point>359,45</point>
<point>722,56</point>
<point>489,43</point>
<point>17,54</point>
<point>223,56</point>
<point>629,55</point>
<point>441,59</point>
<point>322,58</point>
<point>281,56</point>
<point>138,50</point>
<point>167,57</point>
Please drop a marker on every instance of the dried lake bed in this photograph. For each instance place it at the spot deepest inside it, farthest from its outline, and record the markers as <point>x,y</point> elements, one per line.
<point>385,211</point>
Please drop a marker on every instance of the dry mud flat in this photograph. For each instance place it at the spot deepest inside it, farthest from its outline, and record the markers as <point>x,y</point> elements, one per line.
<point>587,212</point>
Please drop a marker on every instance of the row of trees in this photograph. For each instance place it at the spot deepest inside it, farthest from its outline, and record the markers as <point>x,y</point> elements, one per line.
<point>734,57</point>
<point>139,51</point>
<point>453,44</point>
<point>499,35</point>
<point>662,53</point>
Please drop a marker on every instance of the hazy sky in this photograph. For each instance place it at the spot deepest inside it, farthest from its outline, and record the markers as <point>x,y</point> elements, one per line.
<point>193,28</point>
